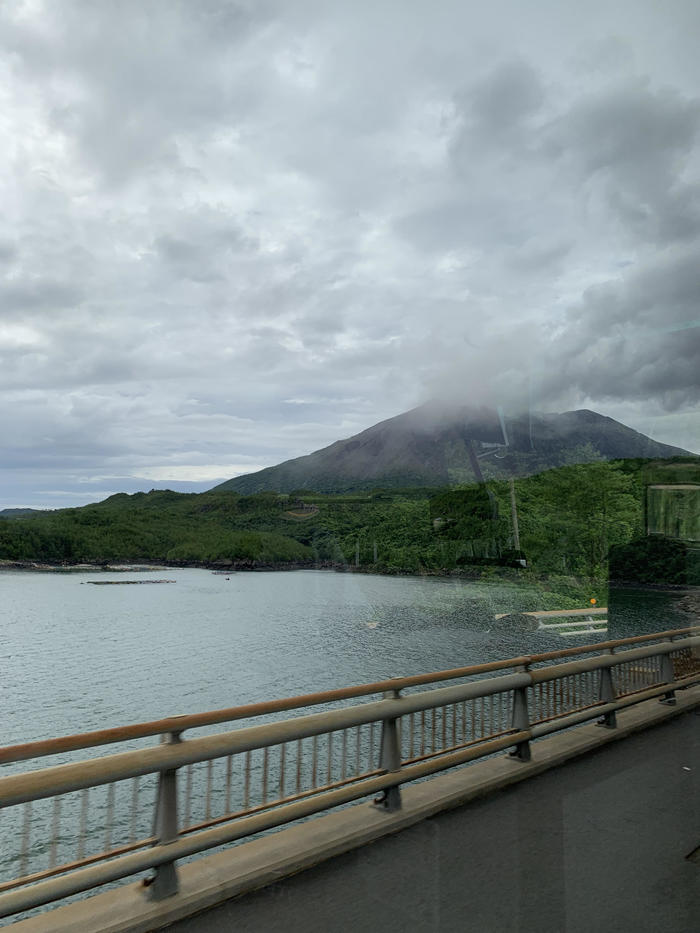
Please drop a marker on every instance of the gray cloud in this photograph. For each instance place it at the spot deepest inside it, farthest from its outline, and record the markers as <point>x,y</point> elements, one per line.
<point>633,143</point>
<point>637,338</point>
<point>234,232</point>
<point>36,292</point>
<point>499,110</point>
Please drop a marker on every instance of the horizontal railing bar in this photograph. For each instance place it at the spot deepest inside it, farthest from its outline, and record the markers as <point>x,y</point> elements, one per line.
<point>186,830</point>
<point>279,802</point>
<point>453,748</point>
<point>64,779</point>
<point>78,863</point>
<point>586,665</point>
<point>614,643</point>
<point>681,678</point>
<point>47,891</point>
<point>55,746</point>
<point>558,717</point>
<point>596,711</point>
<point>180,723</point>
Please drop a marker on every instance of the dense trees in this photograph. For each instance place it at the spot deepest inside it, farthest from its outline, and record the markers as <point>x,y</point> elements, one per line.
<point>568,517</point>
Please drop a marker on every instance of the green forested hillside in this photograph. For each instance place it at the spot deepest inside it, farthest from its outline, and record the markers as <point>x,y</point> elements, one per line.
<point>568,519</point>
<point>156,526</point>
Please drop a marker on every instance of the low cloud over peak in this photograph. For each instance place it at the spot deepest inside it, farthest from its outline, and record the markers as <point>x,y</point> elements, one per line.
<point>210,211</point>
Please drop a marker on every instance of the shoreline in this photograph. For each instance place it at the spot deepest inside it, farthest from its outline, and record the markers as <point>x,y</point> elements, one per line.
<point>504,574</point>
<point>225,567</point>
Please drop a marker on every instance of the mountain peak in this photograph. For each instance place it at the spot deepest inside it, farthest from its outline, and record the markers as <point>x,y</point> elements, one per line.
<point>439,443</point>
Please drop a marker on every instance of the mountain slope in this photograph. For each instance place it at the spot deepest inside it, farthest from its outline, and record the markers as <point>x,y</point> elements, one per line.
<point>437,444</point>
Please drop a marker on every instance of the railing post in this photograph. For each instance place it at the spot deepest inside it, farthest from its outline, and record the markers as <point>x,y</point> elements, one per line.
<point>520,721</point>
<point>390,758</point>
<point>607,695</point>
<point>164,882</point>
<point>668,676</point>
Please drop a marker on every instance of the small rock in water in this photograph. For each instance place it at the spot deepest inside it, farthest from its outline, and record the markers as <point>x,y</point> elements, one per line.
<point>125,582</point>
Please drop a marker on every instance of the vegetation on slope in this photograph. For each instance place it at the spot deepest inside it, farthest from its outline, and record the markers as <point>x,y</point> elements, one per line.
<point>159,526</point>
<point>570,519</point>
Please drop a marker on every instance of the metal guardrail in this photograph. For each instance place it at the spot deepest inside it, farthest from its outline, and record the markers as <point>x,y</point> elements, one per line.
<point>96,821</point>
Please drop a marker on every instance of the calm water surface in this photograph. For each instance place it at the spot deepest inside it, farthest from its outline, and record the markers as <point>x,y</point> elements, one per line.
<point>77,657</point>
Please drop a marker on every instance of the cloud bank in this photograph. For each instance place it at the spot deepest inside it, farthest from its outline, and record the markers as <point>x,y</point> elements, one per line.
<point>234,232</point>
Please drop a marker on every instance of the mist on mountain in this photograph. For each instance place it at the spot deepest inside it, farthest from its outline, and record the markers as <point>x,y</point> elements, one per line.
<point>441,443</point>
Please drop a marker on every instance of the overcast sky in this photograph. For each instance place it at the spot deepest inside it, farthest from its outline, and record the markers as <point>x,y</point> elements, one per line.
<point>234,232</point>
